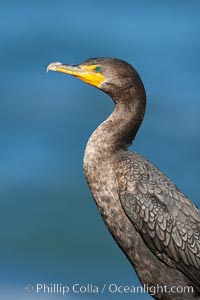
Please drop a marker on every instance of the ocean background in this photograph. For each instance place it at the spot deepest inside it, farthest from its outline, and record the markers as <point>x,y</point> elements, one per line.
<point>51,231</point>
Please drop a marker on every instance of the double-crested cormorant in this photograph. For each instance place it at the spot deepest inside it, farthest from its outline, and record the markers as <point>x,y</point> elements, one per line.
<point>156,226</point>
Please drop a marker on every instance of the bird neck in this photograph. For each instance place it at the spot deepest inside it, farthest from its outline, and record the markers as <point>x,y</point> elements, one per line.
<point>120,129</point>
<point>115,134</point>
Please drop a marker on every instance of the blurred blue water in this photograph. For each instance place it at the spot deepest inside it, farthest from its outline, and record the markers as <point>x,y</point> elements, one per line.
<point>50,229</point>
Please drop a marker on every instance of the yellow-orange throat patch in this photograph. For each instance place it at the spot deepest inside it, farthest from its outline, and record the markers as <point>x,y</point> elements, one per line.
<point>90,76</point>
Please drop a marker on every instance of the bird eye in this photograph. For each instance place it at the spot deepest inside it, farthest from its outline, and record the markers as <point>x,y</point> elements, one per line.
<point>98,69</point>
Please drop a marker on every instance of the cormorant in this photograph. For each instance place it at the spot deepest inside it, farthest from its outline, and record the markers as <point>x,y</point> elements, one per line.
<point>152,221</point>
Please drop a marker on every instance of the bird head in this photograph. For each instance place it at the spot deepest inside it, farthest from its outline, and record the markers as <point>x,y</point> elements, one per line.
<point>107,74</point>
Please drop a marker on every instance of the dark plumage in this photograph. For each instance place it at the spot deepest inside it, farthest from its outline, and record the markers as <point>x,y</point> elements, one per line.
<point>155,225</point>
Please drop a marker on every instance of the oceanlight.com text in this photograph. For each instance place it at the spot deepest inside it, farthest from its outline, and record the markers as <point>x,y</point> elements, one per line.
<point>111,288</point>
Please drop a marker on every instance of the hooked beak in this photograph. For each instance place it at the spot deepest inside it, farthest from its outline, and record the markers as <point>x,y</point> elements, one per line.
<point>83,72</point>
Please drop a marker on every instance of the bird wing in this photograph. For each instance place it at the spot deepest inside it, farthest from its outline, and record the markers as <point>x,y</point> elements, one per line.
<point>166,219</point>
